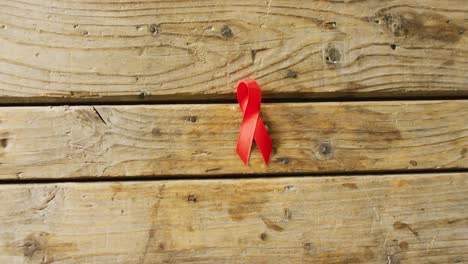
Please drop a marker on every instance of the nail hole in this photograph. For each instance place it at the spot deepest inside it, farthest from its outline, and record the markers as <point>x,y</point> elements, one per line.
<point>330,25</point>
<point>325,149</point>
<point>192,198</point>
<point>226,32</point>
<point>154,29</point>
<point>142,95</point>
<point>192,119</point>
<point>291,74</point>
<point>333,56</point>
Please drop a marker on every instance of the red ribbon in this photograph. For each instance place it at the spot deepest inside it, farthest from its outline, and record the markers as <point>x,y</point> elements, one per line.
<point>249,97</point>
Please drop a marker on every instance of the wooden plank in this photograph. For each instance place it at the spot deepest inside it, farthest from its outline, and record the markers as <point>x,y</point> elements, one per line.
<point>86,51</point>
<point>376,219</point>
<point>165,140</point>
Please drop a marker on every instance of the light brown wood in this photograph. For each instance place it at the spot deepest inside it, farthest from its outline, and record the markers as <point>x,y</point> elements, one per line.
<point>85,51</point>
<point>166,140</point>
<point>369,219</point>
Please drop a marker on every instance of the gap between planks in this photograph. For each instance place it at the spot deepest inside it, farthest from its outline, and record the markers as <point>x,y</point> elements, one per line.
<point>200,101</point>
<point>227,177</point>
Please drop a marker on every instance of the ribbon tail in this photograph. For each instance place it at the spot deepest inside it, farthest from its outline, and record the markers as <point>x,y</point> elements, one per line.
<point>243,152</point>
<point>246,136</point>
<point>263,140</point>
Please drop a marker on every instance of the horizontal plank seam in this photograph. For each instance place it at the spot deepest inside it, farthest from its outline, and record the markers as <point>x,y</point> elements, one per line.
<point>233,101</point>
<point>235,176</point>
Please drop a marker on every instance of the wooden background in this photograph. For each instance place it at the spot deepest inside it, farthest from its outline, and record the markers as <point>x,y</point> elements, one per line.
<point>118,126</point>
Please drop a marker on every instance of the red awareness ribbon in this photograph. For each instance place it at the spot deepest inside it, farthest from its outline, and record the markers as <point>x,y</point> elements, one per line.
<point>249,97</point>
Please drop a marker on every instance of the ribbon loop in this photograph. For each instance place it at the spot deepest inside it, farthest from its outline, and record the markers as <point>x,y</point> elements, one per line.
<point>249,97</point>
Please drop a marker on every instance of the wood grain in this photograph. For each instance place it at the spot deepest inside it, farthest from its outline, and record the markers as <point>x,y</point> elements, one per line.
<point>166,140</point>
<point>374,219</point>
<point>89,51</point>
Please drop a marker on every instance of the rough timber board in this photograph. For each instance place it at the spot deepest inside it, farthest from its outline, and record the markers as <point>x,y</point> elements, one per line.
<point>370,219</point>
<point>76,51</point>
<point>165,140</point>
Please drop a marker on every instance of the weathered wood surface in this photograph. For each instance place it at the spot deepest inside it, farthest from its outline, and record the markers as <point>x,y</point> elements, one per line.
<point>375,219</point>
<point>164,140</point>
<point>162,50</point>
